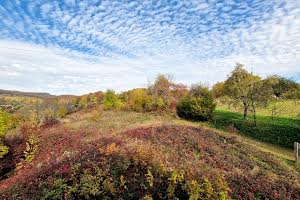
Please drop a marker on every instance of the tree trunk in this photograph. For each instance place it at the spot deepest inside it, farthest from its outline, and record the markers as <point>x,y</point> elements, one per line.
<point>254,114</point>
<point>273,114</point>
<point>245,110</point>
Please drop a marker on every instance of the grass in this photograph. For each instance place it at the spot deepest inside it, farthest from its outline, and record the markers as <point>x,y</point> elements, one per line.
<point>280,152</point>
<point>177,144</point>
<point>111,121</point>
<point>118,121</point>
<point>288,108</point>
<point>283,130</point>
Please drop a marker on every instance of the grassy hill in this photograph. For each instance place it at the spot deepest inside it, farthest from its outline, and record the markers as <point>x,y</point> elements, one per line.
<point>96,154</point>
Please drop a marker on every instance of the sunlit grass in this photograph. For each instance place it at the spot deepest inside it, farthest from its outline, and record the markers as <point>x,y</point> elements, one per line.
<point>284,132</point>
<point>115,122</point>
<point>288,108</point>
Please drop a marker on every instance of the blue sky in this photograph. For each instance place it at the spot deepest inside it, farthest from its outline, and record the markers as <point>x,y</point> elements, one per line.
<point>76,47</point>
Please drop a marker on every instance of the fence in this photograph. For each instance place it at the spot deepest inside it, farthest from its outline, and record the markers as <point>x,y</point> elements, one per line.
<point>297,151</point>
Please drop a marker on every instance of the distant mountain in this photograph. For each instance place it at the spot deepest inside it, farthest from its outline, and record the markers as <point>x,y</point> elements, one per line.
<point>28,94</point>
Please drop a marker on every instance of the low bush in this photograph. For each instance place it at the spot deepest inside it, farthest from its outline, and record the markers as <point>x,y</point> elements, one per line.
<point>111,168</point>
<point>4,126</point>
<point>62,111</point>
<point>131,178</point>
<point>3,149</point>
<point>196,108</point>
<point>31,148</point>
<point>158,104</point>
<point>198,105</point>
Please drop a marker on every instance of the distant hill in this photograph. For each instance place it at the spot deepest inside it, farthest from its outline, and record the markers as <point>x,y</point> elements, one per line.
<point>28,94</point>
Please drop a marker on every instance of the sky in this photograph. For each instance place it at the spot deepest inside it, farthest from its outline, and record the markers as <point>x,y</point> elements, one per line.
<point>77,47</point>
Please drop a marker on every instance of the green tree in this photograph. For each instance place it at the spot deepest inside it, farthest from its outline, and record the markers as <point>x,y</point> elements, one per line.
<point>112,100</point>
<point>62,111</point>
<point>239,87</point>
<point>218,90</point>
<point>283,87</point>
<point>260,94</point>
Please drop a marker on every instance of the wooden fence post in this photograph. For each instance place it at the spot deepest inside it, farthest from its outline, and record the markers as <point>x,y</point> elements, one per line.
<point>297,151</point>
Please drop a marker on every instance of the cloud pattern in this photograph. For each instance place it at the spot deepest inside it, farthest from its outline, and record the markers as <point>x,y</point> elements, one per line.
<point>74,46</point>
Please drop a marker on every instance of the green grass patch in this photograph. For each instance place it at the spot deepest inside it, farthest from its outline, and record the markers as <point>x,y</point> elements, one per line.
<point>285,108</point>
<point>284,132</point>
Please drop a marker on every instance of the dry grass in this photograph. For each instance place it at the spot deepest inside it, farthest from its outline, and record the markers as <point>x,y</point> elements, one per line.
<point>113,122</point>
<point>193,147</point>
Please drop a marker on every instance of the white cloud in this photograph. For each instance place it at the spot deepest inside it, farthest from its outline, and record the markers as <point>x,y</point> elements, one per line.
<point>93,46</point>
<point>46,8</point>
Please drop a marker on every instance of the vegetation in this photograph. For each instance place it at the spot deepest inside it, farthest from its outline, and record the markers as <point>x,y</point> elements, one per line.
<point>112,101</point>
<point>283,133</point>
<point>283,87</point>
<point>137,100</point>
<point>248,89</point>
<point>132,145</point>
<point>198,105</point>
<point>4,120</point>
<point>150,162</point>
<point>31,148</point>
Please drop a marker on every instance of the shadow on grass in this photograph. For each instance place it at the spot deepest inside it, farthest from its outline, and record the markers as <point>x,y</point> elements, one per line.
<point>284,132</point>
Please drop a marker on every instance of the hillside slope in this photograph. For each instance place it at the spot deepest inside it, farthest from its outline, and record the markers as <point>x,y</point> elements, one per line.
<point>138,155</point>
<point>25,94</point>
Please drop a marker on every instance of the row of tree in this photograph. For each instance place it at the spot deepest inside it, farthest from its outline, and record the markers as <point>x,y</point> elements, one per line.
<point>241,88</point>
<point>251,91</point>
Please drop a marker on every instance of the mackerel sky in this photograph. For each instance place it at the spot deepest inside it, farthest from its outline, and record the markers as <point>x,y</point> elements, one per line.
<point>76,47</point>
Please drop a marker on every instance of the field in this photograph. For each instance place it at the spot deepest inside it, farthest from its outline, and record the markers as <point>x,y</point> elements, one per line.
<point>143,155</point>
<point>283,130</point>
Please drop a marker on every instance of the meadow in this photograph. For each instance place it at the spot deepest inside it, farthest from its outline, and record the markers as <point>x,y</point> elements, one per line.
<point>138,155</point>
<point>282,129</point>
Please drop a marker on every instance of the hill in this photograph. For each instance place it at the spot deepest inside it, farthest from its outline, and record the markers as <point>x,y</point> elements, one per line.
<point>26,94</point>
<point>144,156</point>
<point>133,145</point>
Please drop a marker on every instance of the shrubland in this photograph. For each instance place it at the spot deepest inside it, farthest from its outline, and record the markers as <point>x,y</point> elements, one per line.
<point>109,145</point>
<point>136,161</point>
